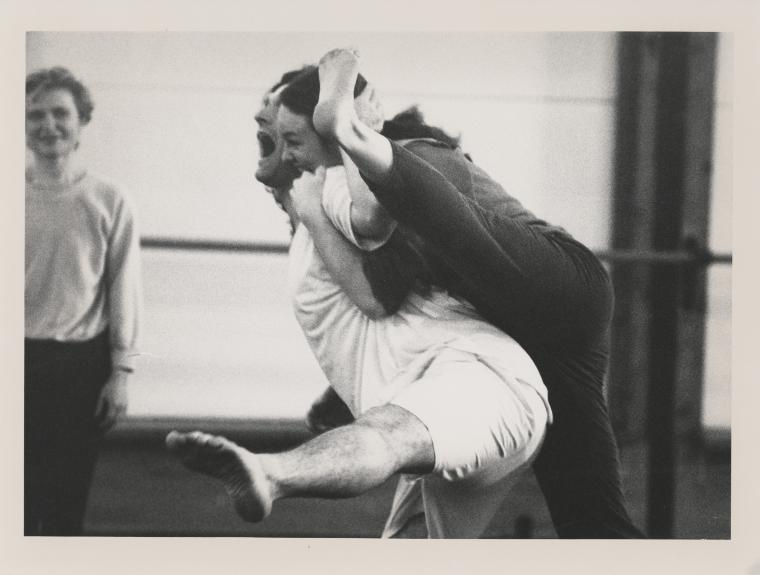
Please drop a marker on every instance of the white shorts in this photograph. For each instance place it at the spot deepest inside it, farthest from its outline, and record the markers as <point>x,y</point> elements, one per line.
<point>486,426</point>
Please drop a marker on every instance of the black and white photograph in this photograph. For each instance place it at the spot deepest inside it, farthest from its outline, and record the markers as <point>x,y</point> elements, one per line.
<point>348,286</point>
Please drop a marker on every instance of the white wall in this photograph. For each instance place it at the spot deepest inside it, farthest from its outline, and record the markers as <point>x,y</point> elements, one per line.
<point>717,396</point>
<point>174,115</point>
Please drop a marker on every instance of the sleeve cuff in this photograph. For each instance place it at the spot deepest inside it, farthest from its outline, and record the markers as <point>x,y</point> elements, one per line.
<point>336,202</point>
<point>124,360</point>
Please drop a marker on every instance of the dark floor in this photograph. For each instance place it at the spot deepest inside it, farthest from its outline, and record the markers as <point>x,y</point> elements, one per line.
<point>139,490</point>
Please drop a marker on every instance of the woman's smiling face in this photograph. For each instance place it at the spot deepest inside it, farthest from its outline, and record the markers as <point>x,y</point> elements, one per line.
<point>302,147</point>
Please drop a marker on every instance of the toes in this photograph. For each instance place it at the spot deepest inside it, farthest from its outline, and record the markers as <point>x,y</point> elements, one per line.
<point>339,55</point>
<point>218,442</point>
<point>175,440</point>
<point>197,437</point>
<point>193,441</point>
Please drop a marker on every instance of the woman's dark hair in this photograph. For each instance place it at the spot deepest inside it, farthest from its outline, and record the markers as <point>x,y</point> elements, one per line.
<point>59,77</point>
<point>287,77</point>
<point>410,123</point>
<point>302,93</point>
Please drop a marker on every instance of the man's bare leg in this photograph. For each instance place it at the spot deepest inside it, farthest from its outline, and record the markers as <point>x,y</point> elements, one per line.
<point>335,117</point>
<point>343,462</point>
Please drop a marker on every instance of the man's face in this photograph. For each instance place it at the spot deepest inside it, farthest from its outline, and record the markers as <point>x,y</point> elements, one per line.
<point>301,145</point>
<point>271,170</point>
<point>52,123</point>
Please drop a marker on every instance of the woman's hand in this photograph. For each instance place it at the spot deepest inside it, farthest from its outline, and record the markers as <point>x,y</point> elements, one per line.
<point>306,195</point>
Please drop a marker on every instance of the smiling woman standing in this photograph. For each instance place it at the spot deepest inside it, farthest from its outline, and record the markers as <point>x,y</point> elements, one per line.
<point>82,305</point>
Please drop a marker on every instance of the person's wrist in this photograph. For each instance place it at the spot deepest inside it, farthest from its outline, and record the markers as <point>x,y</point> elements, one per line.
<point>119,377</point>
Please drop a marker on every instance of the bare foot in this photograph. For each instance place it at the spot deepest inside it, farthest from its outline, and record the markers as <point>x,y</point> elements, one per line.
<point>334,114</point>
<point>239,470</point>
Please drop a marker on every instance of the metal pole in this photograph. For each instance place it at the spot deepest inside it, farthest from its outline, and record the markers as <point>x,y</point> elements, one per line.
<point>664,290</point>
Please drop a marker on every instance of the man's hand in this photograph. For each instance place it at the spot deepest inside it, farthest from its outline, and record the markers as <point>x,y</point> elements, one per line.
<point>328,412</point>
<point>112,402</point>
<point>306,195</point>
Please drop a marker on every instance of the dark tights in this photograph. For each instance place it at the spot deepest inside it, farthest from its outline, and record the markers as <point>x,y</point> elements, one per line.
<point>548,292</point>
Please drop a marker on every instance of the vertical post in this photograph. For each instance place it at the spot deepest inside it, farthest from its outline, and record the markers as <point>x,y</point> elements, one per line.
<point>683,142</point>
<point>698,169</point>
<point>665,108</point>
<point>633,216</point>
<point>664,289</point>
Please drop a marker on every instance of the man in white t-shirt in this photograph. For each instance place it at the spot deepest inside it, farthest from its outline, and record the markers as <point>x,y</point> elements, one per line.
<point>437,392</point>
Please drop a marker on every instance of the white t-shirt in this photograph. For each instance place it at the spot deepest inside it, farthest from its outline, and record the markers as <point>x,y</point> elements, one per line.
<point>365,360</point>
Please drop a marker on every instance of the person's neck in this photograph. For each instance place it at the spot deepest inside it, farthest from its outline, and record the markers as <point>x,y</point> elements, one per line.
<point>60,170</point>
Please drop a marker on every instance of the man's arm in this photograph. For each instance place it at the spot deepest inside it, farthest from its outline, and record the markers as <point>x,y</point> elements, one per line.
<point>124,298</point>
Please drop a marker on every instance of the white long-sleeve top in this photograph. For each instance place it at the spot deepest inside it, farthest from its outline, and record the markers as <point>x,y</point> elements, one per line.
<point>82,265</point>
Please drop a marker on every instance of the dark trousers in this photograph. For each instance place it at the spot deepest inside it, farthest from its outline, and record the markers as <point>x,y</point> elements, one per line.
<point>62,382</point>
<point>548,292</point>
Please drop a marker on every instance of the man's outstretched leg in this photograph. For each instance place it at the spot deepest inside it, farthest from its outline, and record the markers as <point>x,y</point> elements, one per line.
<point>343,462</point>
